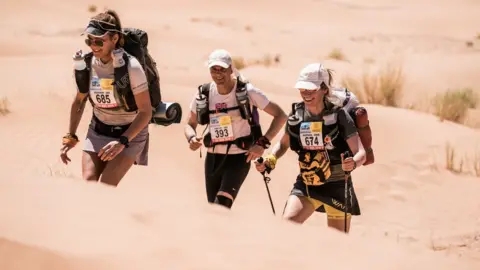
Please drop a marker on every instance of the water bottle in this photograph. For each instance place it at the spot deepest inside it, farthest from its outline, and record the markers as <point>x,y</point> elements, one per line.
<point>117,56</point>
<point>297,116</point>
<point>202,109</point>
<point>81,72</point>
<point>79,61</point>
<point>243,103</point>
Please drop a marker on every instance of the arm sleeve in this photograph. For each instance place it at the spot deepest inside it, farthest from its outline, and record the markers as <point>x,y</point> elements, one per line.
<point>258,98</point>
<point>346,124</point>
<point>138,79</point>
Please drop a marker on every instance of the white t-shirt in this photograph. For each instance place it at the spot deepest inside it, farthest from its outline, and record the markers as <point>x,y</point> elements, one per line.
<point>107,105</point>
<point>240,126</point>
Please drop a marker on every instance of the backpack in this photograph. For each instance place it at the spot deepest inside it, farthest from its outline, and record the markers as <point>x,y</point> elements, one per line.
<point>251,115</point>
<point>136,42</point>
<point>347,101</point>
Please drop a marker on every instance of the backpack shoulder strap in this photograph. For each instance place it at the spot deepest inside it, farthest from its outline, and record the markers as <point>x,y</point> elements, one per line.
<point>88,59</point>
<point>297,106</point>
<point>82,77</point>
<point>205,89</point>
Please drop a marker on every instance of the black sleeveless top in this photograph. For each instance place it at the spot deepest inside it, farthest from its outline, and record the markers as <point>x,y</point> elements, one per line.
<point>334,126</point>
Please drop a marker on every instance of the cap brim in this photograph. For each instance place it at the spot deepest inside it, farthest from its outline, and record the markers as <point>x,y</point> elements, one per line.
<point>218,63</point>
<point>306,85</point>
<point>94,31</point>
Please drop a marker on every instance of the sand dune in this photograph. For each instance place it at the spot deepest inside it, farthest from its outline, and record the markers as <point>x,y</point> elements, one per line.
<point>415,213</point>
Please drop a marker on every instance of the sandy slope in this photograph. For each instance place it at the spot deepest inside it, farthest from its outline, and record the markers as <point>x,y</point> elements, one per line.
<point>158,218</point>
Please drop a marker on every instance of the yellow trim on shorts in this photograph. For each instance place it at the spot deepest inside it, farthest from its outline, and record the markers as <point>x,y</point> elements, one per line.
<point>332,213</point>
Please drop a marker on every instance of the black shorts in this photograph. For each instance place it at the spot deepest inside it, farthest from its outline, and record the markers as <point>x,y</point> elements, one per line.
<point>330,195</point>
<point>225,173</point>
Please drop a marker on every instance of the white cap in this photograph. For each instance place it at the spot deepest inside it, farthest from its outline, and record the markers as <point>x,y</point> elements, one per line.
<point>221,58</point>
<point>312,76</point>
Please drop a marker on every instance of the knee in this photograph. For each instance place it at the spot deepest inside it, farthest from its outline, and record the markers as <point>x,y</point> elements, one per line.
<point>90,176</point>
<point>224,200</point>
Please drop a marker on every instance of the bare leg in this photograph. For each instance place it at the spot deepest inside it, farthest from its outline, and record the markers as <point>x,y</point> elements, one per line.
<point>92,166</point>
<point>298,209</point>
<point>116,169</point>
<point>336,219</point>
<point>338,223</point>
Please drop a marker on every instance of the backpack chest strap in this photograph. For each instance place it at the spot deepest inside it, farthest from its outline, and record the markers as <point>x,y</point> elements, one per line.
<point>223,110</point>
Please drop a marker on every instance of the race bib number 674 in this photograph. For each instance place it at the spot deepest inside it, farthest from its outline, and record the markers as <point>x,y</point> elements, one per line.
<point>311,136</point>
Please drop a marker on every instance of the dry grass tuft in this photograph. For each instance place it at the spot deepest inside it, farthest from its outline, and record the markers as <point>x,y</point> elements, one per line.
<point>453,105</point>
<point>267,60</point>
<point>4,106</point>
<point>476,163</point>
<point>92,8</point>
<point>469,43</point>
<point>248,28</point>
<point>450,163</point>
<point>384,87</point>
<point>462,165</point>
<point>239,62</point>
<point>337,54</point>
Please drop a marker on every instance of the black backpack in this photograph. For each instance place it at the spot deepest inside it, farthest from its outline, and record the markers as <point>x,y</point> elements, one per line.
<point>136,42</point>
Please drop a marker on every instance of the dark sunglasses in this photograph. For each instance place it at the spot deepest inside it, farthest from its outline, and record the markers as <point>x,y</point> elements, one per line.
<point>96,42</point>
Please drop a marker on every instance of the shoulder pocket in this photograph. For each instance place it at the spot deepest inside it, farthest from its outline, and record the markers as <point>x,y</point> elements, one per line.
<point>330,119</point>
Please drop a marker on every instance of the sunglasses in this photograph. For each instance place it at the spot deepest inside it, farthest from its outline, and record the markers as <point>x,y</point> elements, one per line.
<point>308,90</point>
<point>96,42</point>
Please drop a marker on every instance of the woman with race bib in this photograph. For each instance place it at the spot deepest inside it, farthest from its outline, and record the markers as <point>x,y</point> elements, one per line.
<point>320,131</point>
<point>116,138</point>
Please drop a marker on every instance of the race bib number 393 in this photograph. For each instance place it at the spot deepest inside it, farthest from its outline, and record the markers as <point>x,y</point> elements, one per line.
<point>311,136</point>
<point>101,92</point>
<point>221,128</point>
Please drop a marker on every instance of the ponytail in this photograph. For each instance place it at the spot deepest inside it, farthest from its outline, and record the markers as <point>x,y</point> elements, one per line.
<point>111,16</point>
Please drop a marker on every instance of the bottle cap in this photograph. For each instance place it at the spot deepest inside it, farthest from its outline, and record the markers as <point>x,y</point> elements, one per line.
<point>78,55</point>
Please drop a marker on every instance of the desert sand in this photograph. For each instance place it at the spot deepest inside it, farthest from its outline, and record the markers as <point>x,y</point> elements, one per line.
<point>415,213</point>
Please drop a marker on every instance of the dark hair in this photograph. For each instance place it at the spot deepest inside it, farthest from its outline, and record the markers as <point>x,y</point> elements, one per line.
<point>111,16</point>
<point>325,86</point>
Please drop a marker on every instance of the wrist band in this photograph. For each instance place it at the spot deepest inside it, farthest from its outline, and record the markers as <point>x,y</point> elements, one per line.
<point>263,142</point>
<point>70,139</point>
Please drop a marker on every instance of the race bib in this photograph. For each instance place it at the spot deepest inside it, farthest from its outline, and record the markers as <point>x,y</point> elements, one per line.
<point>101,92</point>
<point>311,136</point>
<point>221,128</point>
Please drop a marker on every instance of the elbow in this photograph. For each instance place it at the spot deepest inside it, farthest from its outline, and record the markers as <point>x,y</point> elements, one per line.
<point>281,116</point>
<point>149,114</point>
<point>146,114</point>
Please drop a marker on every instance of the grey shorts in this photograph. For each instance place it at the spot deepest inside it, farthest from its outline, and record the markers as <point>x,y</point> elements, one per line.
<point>138,147</point>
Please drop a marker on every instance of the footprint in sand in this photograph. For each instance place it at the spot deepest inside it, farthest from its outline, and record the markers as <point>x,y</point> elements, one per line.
<point>370,199</point>
<point>397,195</point>
<point>403,182</point>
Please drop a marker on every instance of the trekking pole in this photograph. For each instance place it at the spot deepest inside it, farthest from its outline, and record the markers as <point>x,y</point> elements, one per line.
<point>347,175</point>
<point>267,179</point>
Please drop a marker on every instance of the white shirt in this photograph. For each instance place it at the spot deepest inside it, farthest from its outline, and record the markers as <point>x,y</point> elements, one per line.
<point>240,126</point>
<point>115,115</point>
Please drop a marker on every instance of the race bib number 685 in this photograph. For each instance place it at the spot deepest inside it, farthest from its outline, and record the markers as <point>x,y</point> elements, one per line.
<point>101,92</point>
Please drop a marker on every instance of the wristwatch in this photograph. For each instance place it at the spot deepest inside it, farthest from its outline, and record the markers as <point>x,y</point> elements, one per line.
<point>124,140</point>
